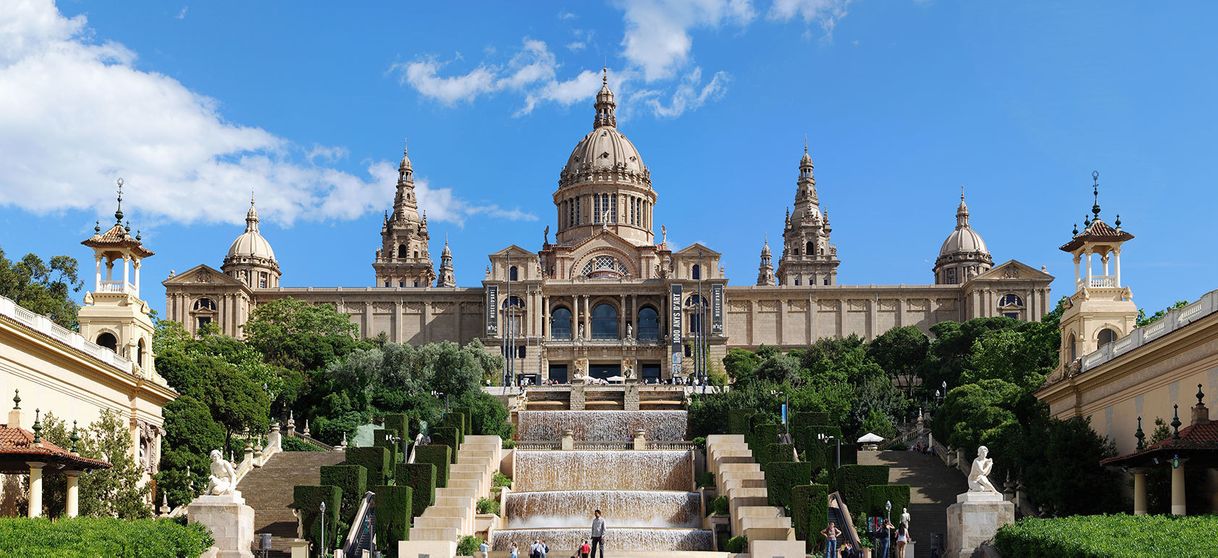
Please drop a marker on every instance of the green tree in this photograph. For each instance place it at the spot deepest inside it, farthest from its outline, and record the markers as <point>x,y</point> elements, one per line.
<point>1006,355</point>
<point>43,287</point>
<point>740,363</point>
<point>879,424</point>
<point>190,434</point>
<point>1065,462</point>
<point>975,412</point>
<point>300,336</point>
<point>114,492</point>
<point>1144,320</point>
<point>901,351</point>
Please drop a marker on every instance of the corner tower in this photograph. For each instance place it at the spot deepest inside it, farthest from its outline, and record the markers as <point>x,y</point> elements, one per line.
<point>605,185</point>
<point>403,259</point>
<point>1101,310</point>
<point>808,256</point>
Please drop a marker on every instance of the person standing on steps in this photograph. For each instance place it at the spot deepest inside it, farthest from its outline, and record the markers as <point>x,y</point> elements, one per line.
<point>831,533</point>
<point>598,534</point>
<point>514,552</point>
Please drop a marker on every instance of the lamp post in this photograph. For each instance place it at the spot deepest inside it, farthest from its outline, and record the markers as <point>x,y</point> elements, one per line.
<point>322,543</point>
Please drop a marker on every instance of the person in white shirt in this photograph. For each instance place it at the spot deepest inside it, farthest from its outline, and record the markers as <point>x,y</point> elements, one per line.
<point>598,534</point>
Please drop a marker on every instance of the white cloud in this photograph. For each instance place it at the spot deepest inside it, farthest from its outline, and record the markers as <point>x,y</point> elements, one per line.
<point>182,12</point>
<point>690,94</point>
<point>75,114</point>
<point>657,31</point>
<point>423,75</point>
<point>826,13</point>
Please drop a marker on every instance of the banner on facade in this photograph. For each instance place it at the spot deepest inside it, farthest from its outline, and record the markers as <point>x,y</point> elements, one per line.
<point>677,348</point>
<point>492,309</point>
<point>717,309</point>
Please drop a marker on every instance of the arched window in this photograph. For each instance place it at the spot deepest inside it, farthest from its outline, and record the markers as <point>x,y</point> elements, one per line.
<point>1072,347</point>
<point>810,248</point>
<point>560,323</point>
<point>604,321</point>
<point>514,309</point>
<point>205,304</point>
<point>139,353</point>
<point>1106,336</point>
<point>696,307</point>
<point>416,254</point>
<point>513,274</point>
<point>403,251</point>
<point>1011,306</point>
<point>108,340</point>
<point>696,271</point>
<point>649,324</point>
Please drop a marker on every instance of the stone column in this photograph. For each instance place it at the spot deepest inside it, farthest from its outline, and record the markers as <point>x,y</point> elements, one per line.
<point>568,440</point>
<point>125,273</point>
<point>1177,490</point>
<point>73,505</point>
<point>1139,491</point>
<point>640,440</point>
<point>621,317</point>
<point>97,279</point>
<point>1117,269</point>
<point>1088,254</point>
<point>36,489</point>
<point>136,264</point>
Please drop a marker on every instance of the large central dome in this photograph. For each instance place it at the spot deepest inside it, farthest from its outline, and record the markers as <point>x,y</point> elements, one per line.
<point>603,149</point>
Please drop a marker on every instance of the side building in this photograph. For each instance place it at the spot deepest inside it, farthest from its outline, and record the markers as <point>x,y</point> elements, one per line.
<point>605,296</point>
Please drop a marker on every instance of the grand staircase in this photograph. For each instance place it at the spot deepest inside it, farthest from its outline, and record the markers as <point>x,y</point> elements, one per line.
<point>269,491</point>
<point>933,487</point>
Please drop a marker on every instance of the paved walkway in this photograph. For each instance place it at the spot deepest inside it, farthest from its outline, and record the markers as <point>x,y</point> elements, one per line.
<point>933,487</point>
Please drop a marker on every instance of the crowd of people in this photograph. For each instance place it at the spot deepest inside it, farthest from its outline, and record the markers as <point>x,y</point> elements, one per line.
<point>589,547</point>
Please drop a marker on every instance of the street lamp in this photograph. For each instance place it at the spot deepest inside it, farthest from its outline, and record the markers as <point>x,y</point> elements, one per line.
<point>322,543</point>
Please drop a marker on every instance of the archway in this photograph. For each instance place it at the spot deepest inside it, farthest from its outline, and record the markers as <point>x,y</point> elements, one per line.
<point>108,340</point>
<point>604,321</point>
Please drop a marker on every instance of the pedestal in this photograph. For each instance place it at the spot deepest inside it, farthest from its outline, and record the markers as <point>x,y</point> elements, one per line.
<point>230,521</point>
<point>974,519</point>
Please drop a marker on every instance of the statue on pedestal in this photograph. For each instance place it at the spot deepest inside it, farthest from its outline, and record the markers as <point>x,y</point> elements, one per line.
<point>223,479</point>
<point>978,476</point>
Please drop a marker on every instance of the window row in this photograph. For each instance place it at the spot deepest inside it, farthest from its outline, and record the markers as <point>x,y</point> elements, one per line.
<point>605,209</point>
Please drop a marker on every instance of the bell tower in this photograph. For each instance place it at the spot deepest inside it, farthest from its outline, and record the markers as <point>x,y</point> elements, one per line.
<point>114,316</point>
<point>1101,309</point>
<point>403,259</point>
<point>808,256</point>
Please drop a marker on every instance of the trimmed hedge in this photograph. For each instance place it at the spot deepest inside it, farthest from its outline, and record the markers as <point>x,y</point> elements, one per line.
<point>777,452</point>
<point>456,420</point>
<point>762,436</point>
<point>850,454</point>
<point>89,537</point>
<point>380,439</point>
<point>400,423</point>
<point>876,495</point>
<point>808,436</point>
<point>1110,536</point>
<point>308,499</point>
<point>781,476</point>
<point>810,513</point>
<point>818,455</point>
<point>852,482</point>
<point>449,436</point>
<point>738,421</point>
<point>738,544</point>
<point>438,455</point>
<point>393,515</point>
<point>467,417</point>
<point>375,459</point>
<point>421,478</point>
<point>352,480</point>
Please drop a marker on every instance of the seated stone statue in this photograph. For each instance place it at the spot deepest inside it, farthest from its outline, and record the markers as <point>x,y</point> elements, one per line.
<point>978,477</point>
<point>223,479</point>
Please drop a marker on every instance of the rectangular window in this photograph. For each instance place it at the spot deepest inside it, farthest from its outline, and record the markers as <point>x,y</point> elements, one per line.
<point>613,209</point>
<point>262,280</point>
<point>576,214</point>
<point>596,208</point>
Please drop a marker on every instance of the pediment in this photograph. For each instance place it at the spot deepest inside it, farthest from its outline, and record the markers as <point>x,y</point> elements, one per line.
<point>202,274</point>
<point>513,251</point>
<point>697,249</point>
<point>1013,270</point>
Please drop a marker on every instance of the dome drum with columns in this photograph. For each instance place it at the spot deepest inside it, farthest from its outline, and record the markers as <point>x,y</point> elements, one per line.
<point>963,254</point>
<point>250,258</point>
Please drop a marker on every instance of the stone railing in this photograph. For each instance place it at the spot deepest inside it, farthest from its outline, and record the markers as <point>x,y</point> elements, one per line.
<point>45,326</point>
<point>256,455</point>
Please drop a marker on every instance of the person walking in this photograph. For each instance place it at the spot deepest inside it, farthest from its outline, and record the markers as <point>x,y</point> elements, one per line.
<point>485,549</point>
<point>831,533</point>
<point>598,534</point>
<point>902,539</point>
<point>513,552</point>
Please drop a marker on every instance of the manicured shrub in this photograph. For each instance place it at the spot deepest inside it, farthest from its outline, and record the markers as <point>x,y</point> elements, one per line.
<point>809,436</point>
<point>380,439</point>
<point>375,459</point>
<point>449,436</point>
<point>1110,536</point>
<point>780,476</point>
<point>810,512</point>
<point>852,482</point>
<point>394,505</point>
<point>467,424</point>
<point>421,478</point>
<point>719,506</point>
<point>438,455</point>
<point>89,537</point>
<point>777,452</point>
<point>738,544</point>
<point>292,443</point>
<point>468,546</point>
<point>352,480</point>
<point>818,455</point>
<point>876,495</point>
<point>456,420</point>
<point>762,436</point>
<point>307,500</point>
<point>488,505</point>
<point>400,423</point>
<point>738,421</point>
<point>850,454</point>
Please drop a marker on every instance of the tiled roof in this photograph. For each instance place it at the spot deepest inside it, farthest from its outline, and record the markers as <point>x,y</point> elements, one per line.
<point>17,444</point>
<point>1097,231</point>
<point>119,237</point>
<point>1197,437</point>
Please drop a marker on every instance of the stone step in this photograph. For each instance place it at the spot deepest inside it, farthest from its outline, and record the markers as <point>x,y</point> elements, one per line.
<point>428,534</point>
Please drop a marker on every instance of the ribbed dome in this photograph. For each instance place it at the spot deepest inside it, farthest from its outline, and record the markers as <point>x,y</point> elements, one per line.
<point>250,244</point>
<point>963,240</point>
<point>604,148</point>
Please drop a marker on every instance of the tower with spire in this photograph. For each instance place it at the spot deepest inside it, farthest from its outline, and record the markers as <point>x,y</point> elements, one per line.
<point>1101,310</point>
<point>403,259</point>
<point>250,258</point>
<point>808,255</point>
<point>446,278</point>
<point>765,271</point>
<point>963,254</point>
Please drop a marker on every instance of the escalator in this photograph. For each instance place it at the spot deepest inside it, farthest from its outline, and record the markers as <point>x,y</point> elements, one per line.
<point>840,513</point>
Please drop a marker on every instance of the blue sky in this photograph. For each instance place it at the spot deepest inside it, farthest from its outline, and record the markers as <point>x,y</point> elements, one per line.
<point>197,103</point>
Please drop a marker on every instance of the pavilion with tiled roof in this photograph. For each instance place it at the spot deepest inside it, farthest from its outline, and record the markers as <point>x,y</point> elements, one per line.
<point>1195,445</point>
<point>24,451</point>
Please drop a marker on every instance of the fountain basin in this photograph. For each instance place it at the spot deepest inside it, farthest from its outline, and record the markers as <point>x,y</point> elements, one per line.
<point>653,509</point>
<point>601,426</point>
<point>566,541</point>
<point>542,471</point>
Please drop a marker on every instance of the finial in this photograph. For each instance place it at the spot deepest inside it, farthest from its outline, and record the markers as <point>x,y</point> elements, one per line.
<point>75,438</point>
<point>16,399</point>
<point>37,427</point>
<point>605,76</point>
<point>1118,222</point>
<point>1076,229</point>
<point>1200,396</point>
<point>1175,422</point>
<point>805,144</point>
<point>405,147</point>
<point>1140,435</point>
<point>97,227</point>
<point>251,197</point>
<point>137,235</point>
<point>961,192</point>
<point>118,213</point>
<point>1086,221</point>
<point>1095,191</point>
<point>127,226</point>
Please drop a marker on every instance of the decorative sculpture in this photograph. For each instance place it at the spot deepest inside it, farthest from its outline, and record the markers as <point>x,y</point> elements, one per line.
<point>629,331</point>
<point>978,476</point>
<point>581,331</point>
<point>905,517</point>
<point>663,235</point>
<point>547,234</point>
<point>223,479</point>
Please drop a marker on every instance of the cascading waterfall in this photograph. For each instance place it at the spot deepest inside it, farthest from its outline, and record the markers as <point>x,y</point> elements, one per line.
<point>658,509</point>
<point>562,541</point>
<point>601,426</point>
<point>538,471</point>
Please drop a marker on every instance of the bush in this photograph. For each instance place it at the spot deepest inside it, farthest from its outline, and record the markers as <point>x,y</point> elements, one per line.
<point>488,505</point>
<point>500,480</point>
<point>467,422</point>
<point>437,455</point>
<point>810,512</point>
<point>468,546</point>
<point>454,420</point>
<point>706,479</point>
<point>394,510</point>
<point>509,443</point>
<point>486,415</point>
<point>292,443</point>
<point>401,424</point>
<point>449,436</point>
<point>375,460</point>
<point>738,544</point>
<point>810,419</point>
<point>89,537</point>
<point>777,452</point>
<point>780,476</point>
<point>380,439</point>
<point>809,436</point>
<point>738,421</point>
<point>719,506</point>
<point>852,481</point>
<point>307,500</point>
<point>352,480</point>
<point>762,435</point>
<point>817,455</point>
<point>1110,536</point>
<point>876,495</point>
<point>421,478</point>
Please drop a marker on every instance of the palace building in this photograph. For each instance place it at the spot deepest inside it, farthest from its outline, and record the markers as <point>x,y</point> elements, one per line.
<point>605,297</point>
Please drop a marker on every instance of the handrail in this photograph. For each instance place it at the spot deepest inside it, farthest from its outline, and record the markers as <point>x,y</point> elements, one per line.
<point>847,529</point>
<point>365,515</point>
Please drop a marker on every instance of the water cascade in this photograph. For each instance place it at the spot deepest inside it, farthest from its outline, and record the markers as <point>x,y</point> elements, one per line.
<point>603,470</point>
<point>654,509</point>
<point>601,426</point>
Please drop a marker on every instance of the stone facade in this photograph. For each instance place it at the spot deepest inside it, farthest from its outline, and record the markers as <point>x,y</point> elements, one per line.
<point>604,296</point>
